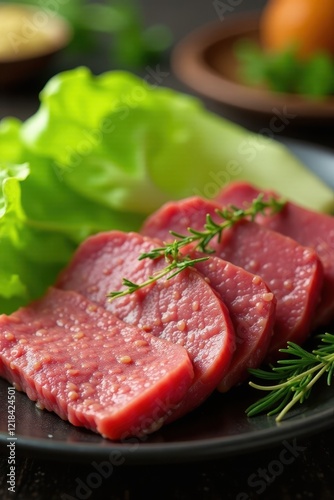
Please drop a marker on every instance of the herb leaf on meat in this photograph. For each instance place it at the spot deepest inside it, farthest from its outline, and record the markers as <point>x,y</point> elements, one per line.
<point>177,262</point>
<point>295,377</point>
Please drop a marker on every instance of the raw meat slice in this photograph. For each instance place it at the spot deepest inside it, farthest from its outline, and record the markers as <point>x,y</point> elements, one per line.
<point>179,216</point>
<point>184,310</point>
<point>305,226</point>
<point>252,308</point>
<point>292,272</point>
<point>78,360</point>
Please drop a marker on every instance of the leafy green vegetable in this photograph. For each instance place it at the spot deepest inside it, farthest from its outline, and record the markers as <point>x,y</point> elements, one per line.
<point>20,279</point>
<point>102,152</point>
<point>41,220</point>
<point>131,146</point>
<point>285,72</point>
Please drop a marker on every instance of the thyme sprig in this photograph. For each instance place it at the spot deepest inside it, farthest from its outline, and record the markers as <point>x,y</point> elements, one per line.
<point>177,262</point>
<point>295,376</point>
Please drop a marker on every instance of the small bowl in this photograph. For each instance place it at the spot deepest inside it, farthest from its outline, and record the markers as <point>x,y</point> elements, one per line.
<point>206,62</point>
<point>29,38</point>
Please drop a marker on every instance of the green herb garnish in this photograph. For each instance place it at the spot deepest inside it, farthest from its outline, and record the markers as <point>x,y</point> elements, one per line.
<point>295,377</point>
<point>285,72</point>
<point>177,262</point>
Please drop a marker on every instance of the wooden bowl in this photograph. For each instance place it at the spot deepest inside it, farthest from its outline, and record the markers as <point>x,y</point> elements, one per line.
<point>205,61</point>
<point>29,38</point>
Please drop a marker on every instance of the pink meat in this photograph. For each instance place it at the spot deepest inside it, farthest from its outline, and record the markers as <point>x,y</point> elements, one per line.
<point>292,272</point>
<point>252,308</point>
<point>78,360</point>
<point>183,310</point>
<point>307,227</point>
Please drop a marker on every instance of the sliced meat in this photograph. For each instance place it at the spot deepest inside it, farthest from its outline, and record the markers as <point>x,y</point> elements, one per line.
<point>83,363</point>
<point>241,193</point>
<point>305,226</point>
<point>184,310</point>
<point>179,216</point>
<point>292,272</point>
<point>252,308</point>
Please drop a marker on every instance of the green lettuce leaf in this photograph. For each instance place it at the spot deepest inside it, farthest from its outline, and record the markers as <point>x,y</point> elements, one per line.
<point>22,246</point>
<point>131,146</point>
<point>41,220</point>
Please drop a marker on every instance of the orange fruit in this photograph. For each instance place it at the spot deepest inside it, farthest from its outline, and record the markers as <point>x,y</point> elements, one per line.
<point>306,24</point>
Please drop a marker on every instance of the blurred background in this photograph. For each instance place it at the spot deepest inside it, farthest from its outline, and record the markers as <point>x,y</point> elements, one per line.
<point>142,36</point>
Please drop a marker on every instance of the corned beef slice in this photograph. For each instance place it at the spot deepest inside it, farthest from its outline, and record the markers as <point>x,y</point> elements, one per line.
<point>305,226</point>
<point>292,272</point>
<point>184,310</point>
<point>252,309</point>
<point>80,361</point>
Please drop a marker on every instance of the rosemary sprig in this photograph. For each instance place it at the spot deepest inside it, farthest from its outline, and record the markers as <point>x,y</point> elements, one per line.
<point>295,377</point>
<point>177,262</point>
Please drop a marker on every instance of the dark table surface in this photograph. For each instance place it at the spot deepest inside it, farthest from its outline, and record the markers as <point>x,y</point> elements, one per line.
<point>255,474</point>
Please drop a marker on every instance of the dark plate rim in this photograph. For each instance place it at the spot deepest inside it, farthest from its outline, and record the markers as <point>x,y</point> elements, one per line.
<point>182,451</point>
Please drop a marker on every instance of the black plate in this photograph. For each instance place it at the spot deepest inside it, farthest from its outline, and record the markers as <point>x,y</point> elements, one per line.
<point>218,428</point>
